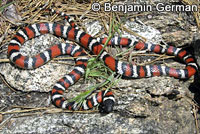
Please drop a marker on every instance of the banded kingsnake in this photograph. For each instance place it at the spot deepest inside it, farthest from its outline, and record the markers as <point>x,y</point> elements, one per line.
<point>104,98</point>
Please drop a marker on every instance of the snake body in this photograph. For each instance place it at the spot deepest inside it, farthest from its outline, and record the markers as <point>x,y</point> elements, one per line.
<point>104,98</point>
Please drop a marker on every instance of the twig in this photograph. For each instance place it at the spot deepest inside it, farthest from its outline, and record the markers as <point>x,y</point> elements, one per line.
<point>6,83</point>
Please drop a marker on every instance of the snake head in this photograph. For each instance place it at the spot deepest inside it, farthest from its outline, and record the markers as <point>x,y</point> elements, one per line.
<point>106,106</point>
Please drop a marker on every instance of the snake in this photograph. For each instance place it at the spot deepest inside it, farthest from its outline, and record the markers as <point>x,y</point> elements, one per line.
<point>104,99</point>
